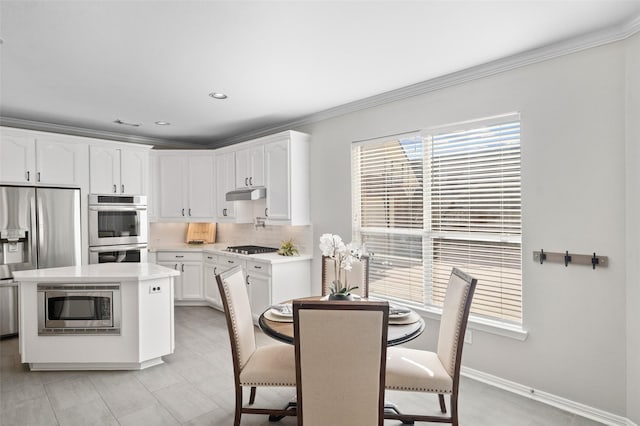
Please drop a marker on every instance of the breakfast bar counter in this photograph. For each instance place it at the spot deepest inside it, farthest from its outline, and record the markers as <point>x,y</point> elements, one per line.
<point>113,316</point>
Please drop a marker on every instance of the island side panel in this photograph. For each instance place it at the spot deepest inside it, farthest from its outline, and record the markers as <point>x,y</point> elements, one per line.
<point>156,318</point>
<point>79,349</point>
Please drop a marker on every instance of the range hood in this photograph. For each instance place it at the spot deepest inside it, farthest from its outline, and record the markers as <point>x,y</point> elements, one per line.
<point>247,194</point>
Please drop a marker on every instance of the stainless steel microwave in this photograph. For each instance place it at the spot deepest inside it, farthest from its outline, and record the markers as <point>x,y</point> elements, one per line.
<point>79,309</point>
<point>117,219</point>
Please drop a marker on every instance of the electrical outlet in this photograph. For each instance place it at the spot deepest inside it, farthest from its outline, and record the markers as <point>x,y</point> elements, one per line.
<point>155,288</point>
<point>468,337</point>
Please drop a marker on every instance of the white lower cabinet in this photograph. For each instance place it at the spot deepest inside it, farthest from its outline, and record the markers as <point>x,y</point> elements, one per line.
<point>258,279</point>
<point>211,292</point>
<point>267,283</point>
<point>189,285</point>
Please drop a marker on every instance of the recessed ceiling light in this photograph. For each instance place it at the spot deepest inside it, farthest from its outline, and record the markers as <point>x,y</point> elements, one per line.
<point>217,95</point>
<point>163,123</point>
<point>125,123</point>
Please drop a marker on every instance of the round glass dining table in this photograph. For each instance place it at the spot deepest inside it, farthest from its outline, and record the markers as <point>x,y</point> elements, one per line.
<point>403,327</point>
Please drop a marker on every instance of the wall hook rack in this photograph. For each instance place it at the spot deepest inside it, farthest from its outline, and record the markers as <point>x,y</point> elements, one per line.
<point>568,258</point>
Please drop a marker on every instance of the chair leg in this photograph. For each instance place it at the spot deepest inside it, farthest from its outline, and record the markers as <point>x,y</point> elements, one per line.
<point>443,406</point>
<point>252,396</point>
<point>236,421</point>
<point>454,409</point>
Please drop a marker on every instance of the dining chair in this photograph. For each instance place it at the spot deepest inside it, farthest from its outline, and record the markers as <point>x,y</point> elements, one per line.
<point>271,365</point>
<point>340,352</point>
<point>435,372</point>
<point>358,275</point>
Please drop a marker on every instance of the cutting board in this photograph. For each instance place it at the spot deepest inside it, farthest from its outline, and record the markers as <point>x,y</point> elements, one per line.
<point>205,232</point>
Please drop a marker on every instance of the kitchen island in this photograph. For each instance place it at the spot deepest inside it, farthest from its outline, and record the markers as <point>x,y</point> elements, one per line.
<point>113,316</point>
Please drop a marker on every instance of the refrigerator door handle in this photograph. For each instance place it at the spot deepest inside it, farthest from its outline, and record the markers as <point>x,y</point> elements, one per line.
<point>33,239</point>
<point>42,247</point>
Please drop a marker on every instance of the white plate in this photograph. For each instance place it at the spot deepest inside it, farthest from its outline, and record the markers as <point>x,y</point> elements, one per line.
<point>285,311</point>
<point>399,315</point>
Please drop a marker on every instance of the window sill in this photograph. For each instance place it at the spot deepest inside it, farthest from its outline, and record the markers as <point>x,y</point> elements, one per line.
<point>481,324</point>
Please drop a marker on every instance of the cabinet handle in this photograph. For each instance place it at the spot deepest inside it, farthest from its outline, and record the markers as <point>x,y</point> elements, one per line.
<point>231,261</point>
<point>266,212</point>
<point>215,270</point>
<point>115,188</point>
<point>122,188</point>
<point>251,181</point>
<point>178,256</point>
<point>224,212</point>
<point>175,266</point>
<point>257,267</point>
<point>28,175</point>
<point>189,211</point>
<point>182,212</point>
<point>247,280</point>
<point>38,176</point>
<point>209,257</point>
<point>183,267</point>
<point>245,181</point>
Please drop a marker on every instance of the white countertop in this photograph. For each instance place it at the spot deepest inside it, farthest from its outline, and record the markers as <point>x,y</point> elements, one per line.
<point>220,249</point>
<point>96,273</point>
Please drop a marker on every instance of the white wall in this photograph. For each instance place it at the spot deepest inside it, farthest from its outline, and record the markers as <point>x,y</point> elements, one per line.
<point>573,183</point>
<point>633,228</point>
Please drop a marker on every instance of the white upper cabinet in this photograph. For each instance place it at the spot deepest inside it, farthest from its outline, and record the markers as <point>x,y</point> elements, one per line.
<point>287,179</point>
<point>250,167</point>
<point>118,169</point>
<point>225,182</point>
<point>229,211</point>
<point>34,158</point>
<point>185,185</point>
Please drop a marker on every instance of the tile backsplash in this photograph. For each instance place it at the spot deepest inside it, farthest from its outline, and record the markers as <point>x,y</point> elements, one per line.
<point>236,234</point>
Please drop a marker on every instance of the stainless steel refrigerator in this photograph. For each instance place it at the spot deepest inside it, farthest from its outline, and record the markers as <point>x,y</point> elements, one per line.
<point>39,228</point>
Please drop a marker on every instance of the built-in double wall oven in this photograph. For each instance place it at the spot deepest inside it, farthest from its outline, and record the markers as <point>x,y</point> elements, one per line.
<point>117,228</point>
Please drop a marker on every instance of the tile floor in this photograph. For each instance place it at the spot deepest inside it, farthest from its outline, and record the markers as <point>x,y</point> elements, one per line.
<point>195,387</point>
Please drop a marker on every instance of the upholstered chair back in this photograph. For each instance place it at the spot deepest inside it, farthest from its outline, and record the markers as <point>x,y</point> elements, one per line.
<point>235,298</point>
<point>340,362</point>
<point>454,317</point>
<point>358,275</point>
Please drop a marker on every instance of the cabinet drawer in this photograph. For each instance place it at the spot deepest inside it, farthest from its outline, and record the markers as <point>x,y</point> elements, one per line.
<point>258,268</point>
<point>228,261</point>
<point>182,256</point>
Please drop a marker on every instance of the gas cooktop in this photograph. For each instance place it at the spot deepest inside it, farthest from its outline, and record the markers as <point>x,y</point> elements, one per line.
<point>251,249</point>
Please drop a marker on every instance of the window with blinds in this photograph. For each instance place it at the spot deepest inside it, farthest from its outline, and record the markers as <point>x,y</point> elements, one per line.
<point>426,203</point>
<point>388,197</point>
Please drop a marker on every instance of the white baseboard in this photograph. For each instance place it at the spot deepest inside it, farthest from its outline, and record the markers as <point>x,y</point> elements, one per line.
<point>549,399</point>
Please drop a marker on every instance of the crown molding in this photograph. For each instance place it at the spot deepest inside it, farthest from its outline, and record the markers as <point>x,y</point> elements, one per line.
<point>91,133</point>
<point>545,53</point>
<point>541,54</point>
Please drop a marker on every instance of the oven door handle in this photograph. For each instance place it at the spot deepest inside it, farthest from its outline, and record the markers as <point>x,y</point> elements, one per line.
<point>103,249</point>
<point>117,208</point>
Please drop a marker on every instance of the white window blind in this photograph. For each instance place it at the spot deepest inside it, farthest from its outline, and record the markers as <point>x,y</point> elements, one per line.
<point>423,205</point>
<point>388,206</point>
<point>475,215</point>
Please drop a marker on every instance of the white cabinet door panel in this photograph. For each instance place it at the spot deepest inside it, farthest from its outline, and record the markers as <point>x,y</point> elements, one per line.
<point>17,158</point>
<point>201,188</point>
<point>133,172</point>
<point>225,182</point>
<point>58,161</point>
<point>104,164</point>
<point>192,281</point>
<point>278,180</point>
<point>171,182</point>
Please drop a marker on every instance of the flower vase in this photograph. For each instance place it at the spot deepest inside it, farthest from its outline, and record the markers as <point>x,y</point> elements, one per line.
<point>340,296</point>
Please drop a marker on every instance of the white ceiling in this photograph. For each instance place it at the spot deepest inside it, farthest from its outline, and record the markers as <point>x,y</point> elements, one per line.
<point>85,64</point>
